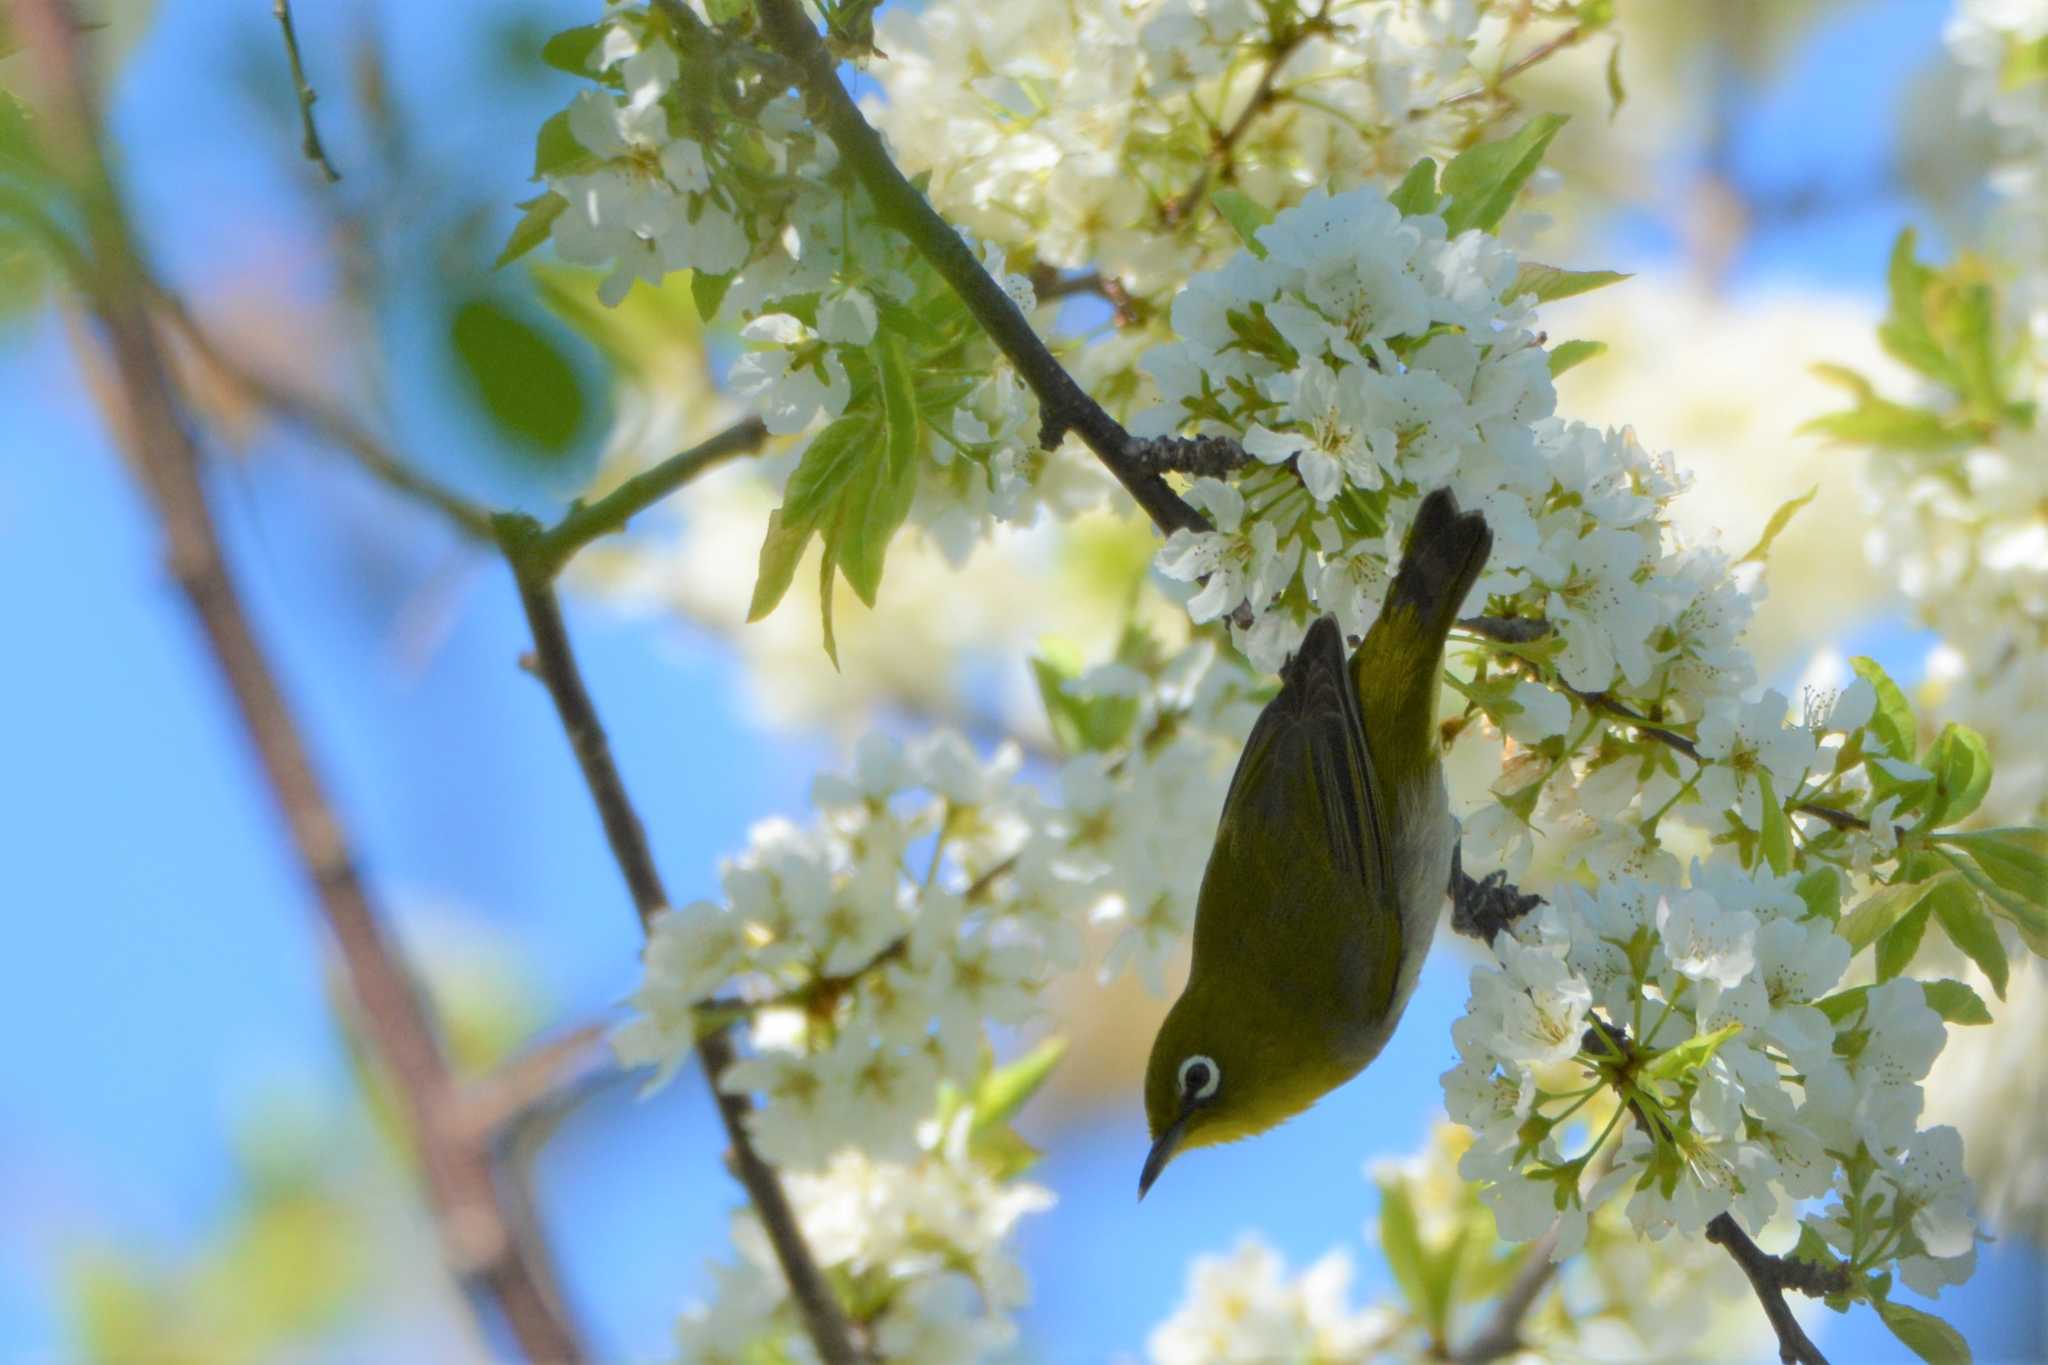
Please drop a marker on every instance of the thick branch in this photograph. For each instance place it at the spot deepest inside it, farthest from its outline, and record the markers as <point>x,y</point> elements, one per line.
<point>1770,1276</point>
<point>471,1216</point>
<point>554,662</point>
<point>1063,405</point>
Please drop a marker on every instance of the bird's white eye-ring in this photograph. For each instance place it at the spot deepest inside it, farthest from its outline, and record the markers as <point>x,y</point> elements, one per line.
<point>1199,1077</point>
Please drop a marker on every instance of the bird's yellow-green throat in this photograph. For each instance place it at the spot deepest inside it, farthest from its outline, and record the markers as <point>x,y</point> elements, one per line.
<point>1329,868</point>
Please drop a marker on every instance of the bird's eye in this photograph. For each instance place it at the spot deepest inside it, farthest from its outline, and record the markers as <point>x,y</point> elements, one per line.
<point>1199,1077</point>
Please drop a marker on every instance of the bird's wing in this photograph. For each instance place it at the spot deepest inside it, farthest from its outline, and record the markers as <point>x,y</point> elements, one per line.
<point>1308,756</point>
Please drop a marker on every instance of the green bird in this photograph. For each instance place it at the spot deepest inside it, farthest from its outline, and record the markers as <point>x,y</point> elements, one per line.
<point>1329,870</point>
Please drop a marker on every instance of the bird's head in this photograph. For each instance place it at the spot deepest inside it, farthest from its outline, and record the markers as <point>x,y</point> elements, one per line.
<point>1224,1067</point>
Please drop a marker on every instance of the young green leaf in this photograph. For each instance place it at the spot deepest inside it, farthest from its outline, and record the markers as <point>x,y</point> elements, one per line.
<point>520,375</point>
<point>1961,764</point>
<point>1689,1055</point>
<point>1401,1243</point>
<point>880,495</point>
<point>1548,282</point>
<point>781,548</point>
<point>1417,192</point>
<point>1567,354</point>
<point>1892,722</point>
<point>1896,945</point>
<point>1482,182</point>
<point>1879,911</point>
<point>1780,519</point>
<point>1927,1336</point>
<point>1955,1002</point>
<point>2030,916</point>
<point>1821,890</point>
<point>574,50</point>
<point>1777,831</point>
<point>1005,1089</point>
<point>1245,215</point>
<point>532,228</point>
<point>1962,916</point>
<point>2016,859</point>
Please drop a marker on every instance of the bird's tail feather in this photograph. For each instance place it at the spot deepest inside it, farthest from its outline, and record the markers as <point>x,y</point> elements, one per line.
<point>1445,554</point>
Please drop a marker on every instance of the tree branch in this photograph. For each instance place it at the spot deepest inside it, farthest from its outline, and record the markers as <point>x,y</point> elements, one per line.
<point>309,133</point>
<point>1063,405</point>
<point>525,547</point>
<point>471,1213</point>
<point>1501,1335</point>
<point>586,522</point>
<point>1770,1276</point>
<point>1482,909</point>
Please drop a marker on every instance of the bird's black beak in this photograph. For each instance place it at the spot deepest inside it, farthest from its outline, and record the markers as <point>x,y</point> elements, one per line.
<point>1162,1152</point>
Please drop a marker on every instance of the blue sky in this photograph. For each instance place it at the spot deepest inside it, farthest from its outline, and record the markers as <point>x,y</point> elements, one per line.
<point>164,967</point>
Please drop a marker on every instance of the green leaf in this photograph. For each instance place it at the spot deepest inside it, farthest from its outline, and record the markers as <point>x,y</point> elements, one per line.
<point>1892,722</point>
<point>2029,915</point>
<point>830,462</point>
<point>1891,426</point>
<point>574,50</point>
<point>1896,945</point>
<point>520,375</point>
<point>556,150</point>
<point>781,548</point>
<point>1548,282</point>
<point>1417,192</point>
<point>1843,1004</point>
<point>2016,858</point>
<point>1956,1002</point>
<point>1688,1055</point>
<point>1401,1243</point>
<point>1927,1336</point>
<point>1777,830</point>
<point>1079,724</point>
<point>532,228</point>
<point>1567,354</point>
<point>2025,63</point>
<point>1880,910</point>
<point>1005,1089</point>
<point>1961,764</point>
<point>1963,918</point>
<point>708,291</point>
<point>1905,332</point>
<point>1482,182</point>
<point>1245,215</point>
<point>1780,519</point>
<point>1616,95</point>
<point>1821,889</point>
<point>826,563</point>
<point>877,507</point>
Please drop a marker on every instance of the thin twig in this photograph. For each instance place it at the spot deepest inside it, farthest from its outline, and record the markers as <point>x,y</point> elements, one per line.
<point>495,1102</point>
<point>328,420</point>
<point>1770,1276</point>
<point>1502,1333</point>
<point>585,522</point>
<point>478,1232</point>
<point>554,662</point>
<point>1225,142</point>
<point>1536,54</point>
<point>309,142</point>
<point>1063,405</point>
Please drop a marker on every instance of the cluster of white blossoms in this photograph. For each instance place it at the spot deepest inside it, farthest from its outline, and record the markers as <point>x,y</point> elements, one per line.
<point>1751,1088</point>
<point>1626,1299</point>
<point>921,1243</point>
<point>1245,1309</point>
<point>937,895</point>
<point>1085,130</point>
<point>871,952</point>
